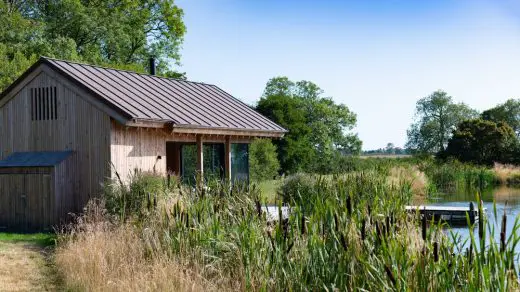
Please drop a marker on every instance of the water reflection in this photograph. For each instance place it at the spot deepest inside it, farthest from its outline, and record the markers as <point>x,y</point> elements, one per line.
<point>506,198</point>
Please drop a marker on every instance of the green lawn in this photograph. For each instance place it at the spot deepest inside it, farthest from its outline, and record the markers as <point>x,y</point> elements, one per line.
<point>41,239</point>
<point>268,190</point>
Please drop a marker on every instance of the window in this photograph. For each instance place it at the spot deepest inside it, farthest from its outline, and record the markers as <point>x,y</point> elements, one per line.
<point>240,163</point>
<point>44,104</point>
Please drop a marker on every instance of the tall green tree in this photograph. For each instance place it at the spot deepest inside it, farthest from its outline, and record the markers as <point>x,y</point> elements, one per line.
<point>436,116</point>
<point>482,142</point>
<point>122,34</point>
<point>508,112</point>
<point>318,127</point>
<point>263,160</point>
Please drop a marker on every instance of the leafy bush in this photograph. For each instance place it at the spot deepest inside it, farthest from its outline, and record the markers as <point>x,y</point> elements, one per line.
<point>263,161</point>
<point>136,197</point>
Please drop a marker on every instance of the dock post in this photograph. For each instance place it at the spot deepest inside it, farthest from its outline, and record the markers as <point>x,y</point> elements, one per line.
<point>471,213</point>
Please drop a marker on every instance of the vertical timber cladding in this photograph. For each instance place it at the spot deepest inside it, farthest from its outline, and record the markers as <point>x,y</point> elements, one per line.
<point>27,202</point>
<point>64,119</point>
<point>137,148</point>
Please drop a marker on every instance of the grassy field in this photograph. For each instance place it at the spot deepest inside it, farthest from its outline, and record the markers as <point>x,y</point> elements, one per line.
<point>26,262</point>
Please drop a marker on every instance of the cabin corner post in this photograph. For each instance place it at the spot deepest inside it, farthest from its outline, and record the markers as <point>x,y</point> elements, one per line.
<point>227,158</point>
<point>200,159</point>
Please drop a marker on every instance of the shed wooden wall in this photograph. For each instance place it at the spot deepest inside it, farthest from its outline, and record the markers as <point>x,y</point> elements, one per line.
<point>26,203</point>
<point>81,127</point>
<point>137,148</point>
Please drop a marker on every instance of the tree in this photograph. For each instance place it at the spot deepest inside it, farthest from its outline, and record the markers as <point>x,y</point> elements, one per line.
<point>508,112</point>
<point>318,127</point>
<point>436,116</point>
<point>263,162</point>
<point>390,148</point>
<point>121,34</point>
<point>482,142</point>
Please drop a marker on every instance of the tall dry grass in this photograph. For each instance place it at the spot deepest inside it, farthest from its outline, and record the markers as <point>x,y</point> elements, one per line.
<point>96,255</point>
<point>413,176</point>
<point>507,174</point>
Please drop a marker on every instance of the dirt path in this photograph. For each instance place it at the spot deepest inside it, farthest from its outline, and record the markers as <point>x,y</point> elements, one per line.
<point>24,266</point>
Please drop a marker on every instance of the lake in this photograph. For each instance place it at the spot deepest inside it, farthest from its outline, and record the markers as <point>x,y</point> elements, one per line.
<point>506,198</point>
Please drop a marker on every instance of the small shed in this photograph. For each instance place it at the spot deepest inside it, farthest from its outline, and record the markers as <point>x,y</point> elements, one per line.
<point>35,190</point>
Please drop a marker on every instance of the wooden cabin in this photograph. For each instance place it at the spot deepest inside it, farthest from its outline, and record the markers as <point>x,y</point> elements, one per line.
<point>65,128</point>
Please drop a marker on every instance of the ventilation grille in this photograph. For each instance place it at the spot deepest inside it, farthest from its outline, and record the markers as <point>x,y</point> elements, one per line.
<point>44,104</point>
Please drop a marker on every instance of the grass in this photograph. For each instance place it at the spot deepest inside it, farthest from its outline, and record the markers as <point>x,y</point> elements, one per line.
<point>344,232</point>
<point>26,264</point>
<point>39,239</point>
<point>269,189</point>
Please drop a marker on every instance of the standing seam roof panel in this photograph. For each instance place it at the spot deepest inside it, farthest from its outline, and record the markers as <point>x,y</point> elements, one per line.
<point>138,81</point>
<point>225,106</point>
<point>196,105</point>
<point>102,92</point>
<point>224,119</point>
<point>179,102</point>
<point>159,104</point>
<point>185,103</point>
<point>193,108</point>
<point>128,96</point>
<point>254,113</point>
<point>253,122</point>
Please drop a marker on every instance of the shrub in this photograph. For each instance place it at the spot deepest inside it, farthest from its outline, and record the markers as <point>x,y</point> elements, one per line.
<point>137,196</point>
<point>263,161</point>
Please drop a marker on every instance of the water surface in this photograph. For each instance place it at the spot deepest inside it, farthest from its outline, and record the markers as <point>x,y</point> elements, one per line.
<point>507,199</point>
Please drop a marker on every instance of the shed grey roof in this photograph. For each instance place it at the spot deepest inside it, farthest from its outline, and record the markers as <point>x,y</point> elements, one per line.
<point>34,159</point>
<point>143,97</point>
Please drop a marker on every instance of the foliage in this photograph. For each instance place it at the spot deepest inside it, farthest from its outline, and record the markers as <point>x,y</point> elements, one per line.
<point>436,116</point>
<point>318,127</point>
<point>455,176</point>
<point>263,162</point>
<point>122,34</point>
<point>135,197</point>
<point>351,233</point>
<point>508,112</point>
<point>482,142</point>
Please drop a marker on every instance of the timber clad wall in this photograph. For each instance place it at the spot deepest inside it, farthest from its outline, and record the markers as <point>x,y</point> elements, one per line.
<point>139,148</point>
<point>79,126</point>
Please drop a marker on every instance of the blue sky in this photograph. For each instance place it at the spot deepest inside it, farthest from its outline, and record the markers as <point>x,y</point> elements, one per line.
<point>377,57</point>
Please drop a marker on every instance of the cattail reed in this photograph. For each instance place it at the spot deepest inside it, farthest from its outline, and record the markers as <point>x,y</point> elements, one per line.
<point>343,241</point>
<point>258,208</point>
<point>390,275</point>
<point>363,229</point>
<point>302,225</point>
<point>336,223</point>
<point>349,205</point>
<point>480,221</point>
<point>387,225</point>
<point>470,254</point>
<point>423,227</point>
<point>435,251</point>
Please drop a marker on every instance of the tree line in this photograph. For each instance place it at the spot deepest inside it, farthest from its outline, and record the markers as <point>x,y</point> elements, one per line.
<point>113,33</point>
<point>453,130</point>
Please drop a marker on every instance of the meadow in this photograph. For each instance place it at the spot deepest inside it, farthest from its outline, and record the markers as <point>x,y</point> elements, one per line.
<point>345,231</point>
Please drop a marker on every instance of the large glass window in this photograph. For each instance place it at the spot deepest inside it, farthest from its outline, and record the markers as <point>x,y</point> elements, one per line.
<point>189,164</point>
<point>213,163</point>
<point>240,163</point>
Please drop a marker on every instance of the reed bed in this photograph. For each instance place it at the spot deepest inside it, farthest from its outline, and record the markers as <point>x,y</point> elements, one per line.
<point>345,233</point>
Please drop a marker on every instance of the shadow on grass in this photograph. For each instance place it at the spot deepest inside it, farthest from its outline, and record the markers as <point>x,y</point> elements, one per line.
<point>40,239</point>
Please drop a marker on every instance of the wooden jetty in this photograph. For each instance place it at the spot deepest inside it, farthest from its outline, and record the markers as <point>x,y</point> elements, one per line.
<point>450,214</point>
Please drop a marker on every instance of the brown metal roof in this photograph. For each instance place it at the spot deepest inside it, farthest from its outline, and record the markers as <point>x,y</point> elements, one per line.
<point>184,104</point>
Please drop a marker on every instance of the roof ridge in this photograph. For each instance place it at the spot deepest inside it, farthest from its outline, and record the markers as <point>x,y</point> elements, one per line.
<point>124,70</point>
